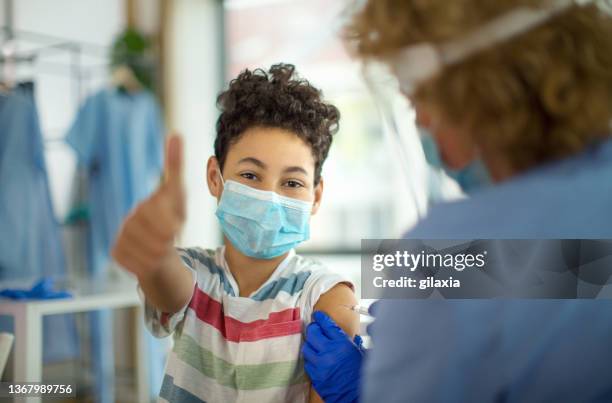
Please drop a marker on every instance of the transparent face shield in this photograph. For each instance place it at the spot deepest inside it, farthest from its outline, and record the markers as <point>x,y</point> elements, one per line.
<point>413,151</point>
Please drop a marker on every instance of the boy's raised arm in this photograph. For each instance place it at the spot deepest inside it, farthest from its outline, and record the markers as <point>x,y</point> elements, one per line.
<point>145,244</point>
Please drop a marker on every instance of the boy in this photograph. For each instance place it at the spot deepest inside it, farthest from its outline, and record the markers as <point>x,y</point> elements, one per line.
<point>237,313</point>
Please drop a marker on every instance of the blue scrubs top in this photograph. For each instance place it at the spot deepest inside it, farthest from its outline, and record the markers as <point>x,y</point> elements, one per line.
<point>118,137</point>
<point>30,236</point>
<point>504,350</point>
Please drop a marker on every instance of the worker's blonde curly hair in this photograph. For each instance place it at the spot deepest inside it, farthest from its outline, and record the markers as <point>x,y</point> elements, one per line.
<point>542,95</point>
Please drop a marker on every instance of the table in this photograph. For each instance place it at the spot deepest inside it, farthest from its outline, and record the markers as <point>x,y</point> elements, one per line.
<point>28,317</point>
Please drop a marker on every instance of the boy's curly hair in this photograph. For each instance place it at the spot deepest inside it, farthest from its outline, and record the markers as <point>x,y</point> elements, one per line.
<point>539,96</point>
<point>279,99</point>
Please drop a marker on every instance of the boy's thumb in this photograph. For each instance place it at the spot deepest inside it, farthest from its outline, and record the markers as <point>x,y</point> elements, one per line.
<point>173,170</point>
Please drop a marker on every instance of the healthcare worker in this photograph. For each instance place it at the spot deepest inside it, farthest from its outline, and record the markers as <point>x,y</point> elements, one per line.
<point>523,87</point>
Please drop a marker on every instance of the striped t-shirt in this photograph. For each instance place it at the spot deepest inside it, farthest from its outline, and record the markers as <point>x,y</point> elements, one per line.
<point>229,348</point>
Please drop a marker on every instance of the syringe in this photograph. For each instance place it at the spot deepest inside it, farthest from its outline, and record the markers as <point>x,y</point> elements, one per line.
<point>362,310</point>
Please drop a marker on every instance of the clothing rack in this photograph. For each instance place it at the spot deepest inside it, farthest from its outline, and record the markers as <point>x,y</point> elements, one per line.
<point>49,45</point>
<point>51,41</point>
<point>85,60</point>
<point>45,45</point>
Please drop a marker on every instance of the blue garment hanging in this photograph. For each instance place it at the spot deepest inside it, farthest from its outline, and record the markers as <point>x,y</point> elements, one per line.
<point>118,138</point>
<point>30,239</point>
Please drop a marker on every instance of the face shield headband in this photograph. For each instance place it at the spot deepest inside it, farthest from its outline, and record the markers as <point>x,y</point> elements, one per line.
<point>417,63</point>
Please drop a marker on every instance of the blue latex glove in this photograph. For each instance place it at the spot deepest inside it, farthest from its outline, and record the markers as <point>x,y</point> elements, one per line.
<point>332,360</point>
<point>41,290</point>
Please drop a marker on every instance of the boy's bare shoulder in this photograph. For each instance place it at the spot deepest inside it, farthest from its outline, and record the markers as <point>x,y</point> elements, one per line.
<point>326,290</point>
<point>334,303</point>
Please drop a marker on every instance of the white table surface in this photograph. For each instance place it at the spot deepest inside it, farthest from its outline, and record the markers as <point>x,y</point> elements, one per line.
<point>28,315</point>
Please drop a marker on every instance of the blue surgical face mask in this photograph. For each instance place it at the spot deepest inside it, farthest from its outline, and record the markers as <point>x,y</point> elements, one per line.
<point>262,224</point>
<point>474,176</point>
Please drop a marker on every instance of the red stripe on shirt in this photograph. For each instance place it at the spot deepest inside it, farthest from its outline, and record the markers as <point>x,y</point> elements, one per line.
<point>210,311</point>
<point>164,318</point>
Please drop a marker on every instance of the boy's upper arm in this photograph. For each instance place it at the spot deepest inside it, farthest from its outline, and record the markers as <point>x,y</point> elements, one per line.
<point>332,303</point>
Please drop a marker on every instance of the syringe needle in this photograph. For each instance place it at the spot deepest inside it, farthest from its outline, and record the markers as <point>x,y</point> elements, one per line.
<point>362,310</point>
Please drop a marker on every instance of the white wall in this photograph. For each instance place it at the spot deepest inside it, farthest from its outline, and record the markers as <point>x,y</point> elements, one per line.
<point>95,21</point>
<point>195,77</point>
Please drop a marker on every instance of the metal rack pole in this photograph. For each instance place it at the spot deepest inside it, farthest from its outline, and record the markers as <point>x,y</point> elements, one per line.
<point>9,18</point>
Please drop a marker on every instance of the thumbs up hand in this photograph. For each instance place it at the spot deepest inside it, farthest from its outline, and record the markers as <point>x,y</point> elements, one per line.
<point>172,189</point>
<point>145,243</point>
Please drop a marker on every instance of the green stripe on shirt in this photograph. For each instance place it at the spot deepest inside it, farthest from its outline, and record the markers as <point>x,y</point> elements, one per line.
<point>242,377</point>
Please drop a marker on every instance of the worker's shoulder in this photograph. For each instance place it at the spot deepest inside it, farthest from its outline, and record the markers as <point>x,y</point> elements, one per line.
<point>569,199</point>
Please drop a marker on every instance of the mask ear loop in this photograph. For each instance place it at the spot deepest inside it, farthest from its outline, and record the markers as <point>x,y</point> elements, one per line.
<point>221,177</point>
<point>219,172</point>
